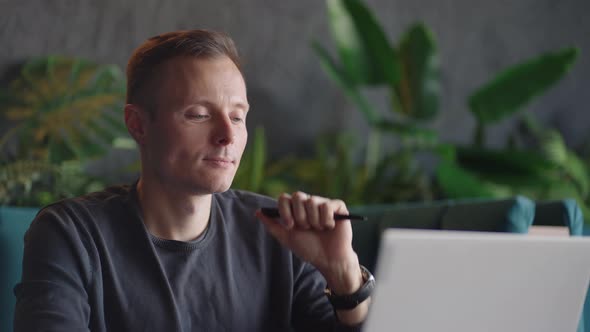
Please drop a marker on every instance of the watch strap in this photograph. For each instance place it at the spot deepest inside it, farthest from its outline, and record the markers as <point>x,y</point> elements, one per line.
<point>351,301</point>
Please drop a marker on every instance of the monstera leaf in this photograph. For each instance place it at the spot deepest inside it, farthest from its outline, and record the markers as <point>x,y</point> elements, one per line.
<point>64,109</point>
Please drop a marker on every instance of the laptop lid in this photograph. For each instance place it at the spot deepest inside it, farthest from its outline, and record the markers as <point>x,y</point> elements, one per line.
<point>467,281</point>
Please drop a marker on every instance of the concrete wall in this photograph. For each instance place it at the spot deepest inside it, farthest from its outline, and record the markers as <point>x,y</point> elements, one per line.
<point>289,93</point>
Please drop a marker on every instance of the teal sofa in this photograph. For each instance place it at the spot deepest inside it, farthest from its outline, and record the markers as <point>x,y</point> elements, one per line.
<point>509,215</point>
<point>14,222</point>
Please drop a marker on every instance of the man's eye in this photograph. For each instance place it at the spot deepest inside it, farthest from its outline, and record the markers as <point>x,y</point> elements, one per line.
<point>237,119</point>
<point>197,116</point>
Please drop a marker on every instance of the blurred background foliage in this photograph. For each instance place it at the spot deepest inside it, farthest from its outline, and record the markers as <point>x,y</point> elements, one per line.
<point>65,113</point>
<point>403,159</point>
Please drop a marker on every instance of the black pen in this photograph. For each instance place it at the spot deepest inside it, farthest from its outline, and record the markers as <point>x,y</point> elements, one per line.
<point>274,213</point>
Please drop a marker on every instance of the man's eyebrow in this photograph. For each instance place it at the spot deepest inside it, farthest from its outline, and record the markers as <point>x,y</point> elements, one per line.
<point>242,105</point>
<point>204,102</point>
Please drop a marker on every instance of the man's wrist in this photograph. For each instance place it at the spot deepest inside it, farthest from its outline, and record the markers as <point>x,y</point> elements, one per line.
<point>348,301</point>
<point>344,277</point>
<point>348,282</point>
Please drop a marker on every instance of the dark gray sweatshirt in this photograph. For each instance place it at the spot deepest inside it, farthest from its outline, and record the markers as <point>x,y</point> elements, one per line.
<point>91,265</point>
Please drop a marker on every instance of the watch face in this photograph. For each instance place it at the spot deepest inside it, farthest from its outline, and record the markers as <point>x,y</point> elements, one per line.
<point>366,274</point>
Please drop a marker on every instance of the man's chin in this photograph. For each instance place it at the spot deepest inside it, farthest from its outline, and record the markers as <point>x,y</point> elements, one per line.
<point>211,188</point>
<point>220,190</point>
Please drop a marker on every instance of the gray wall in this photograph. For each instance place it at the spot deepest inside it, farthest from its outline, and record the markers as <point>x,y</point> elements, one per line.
<point>289,93</point>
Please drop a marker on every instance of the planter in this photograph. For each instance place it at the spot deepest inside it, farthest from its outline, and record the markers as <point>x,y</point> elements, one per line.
<point>14,222</point>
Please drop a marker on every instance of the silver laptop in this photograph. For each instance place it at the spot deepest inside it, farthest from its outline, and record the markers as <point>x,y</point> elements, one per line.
<point>469,282</point>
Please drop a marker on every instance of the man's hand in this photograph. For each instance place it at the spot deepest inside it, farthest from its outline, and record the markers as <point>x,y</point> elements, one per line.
<point>309,230</point>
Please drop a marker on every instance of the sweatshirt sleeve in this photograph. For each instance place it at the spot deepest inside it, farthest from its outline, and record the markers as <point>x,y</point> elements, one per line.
<point>311,309</point>
<point>52,293</point>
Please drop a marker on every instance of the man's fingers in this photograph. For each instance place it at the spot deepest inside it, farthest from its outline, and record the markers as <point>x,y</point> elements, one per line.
<point>313,213</point>
<point>339,206</point>
<point>327,215</point>
<point>306,212</point>
<point>277,230</point>
<point>298,200</point>
<point>284,206</point>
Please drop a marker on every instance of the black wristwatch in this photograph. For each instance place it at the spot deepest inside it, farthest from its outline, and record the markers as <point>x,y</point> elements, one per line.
<point>350,301</point>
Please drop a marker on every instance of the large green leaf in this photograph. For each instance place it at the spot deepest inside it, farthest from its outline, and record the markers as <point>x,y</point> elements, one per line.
<point>418,89</point>
<point>365,52</point>
<point>525,172</point>
<point>513,88</point>
<point>518,163</point>
<point>457,182</point>
<point>339,77</point>
<point>553,147</point>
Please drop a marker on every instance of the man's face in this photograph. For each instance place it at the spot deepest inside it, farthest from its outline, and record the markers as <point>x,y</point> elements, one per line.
<point>198,135</point>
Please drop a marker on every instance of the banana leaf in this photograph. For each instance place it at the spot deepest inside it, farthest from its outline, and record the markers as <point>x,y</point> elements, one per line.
<point>516,86</point>
<point>418,89</point>
<point>456,182</point>
<point>345,83</point>
<point>512,161</point>
<point>364,50</point>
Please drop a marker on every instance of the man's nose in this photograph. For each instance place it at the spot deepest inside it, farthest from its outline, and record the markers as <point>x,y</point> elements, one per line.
<point>224,132</point>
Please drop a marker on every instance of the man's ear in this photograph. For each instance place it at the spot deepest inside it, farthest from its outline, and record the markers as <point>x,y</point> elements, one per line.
<point>136,120</point>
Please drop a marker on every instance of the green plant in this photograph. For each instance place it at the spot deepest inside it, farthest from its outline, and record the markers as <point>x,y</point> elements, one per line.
<point>257,174</point>
<point>64,112</point>
<point>409,72</point>
<point>536,162</point>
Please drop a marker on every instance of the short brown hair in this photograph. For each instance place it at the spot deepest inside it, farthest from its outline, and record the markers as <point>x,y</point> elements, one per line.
<point>148,56</point>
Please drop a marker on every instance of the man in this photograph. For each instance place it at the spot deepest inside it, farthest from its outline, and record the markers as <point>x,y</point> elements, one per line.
<point>178,251</point>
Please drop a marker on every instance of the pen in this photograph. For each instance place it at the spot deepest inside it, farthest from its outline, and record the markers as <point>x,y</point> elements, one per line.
<point>274,213</point>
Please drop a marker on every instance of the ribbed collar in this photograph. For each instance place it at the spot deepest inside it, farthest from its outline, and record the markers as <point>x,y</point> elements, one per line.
<point>174,245</point>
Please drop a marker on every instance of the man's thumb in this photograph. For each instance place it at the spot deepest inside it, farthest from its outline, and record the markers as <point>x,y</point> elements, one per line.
<point>274,227</point>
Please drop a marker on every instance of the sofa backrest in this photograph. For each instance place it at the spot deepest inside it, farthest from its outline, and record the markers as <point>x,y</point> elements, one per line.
<point>14,222</point>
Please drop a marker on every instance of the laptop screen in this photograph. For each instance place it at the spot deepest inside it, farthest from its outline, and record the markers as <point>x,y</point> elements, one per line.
<point>468,281</point>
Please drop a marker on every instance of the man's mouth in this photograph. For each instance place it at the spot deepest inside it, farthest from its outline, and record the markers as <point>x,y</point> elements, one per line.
<point>220,161</point>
